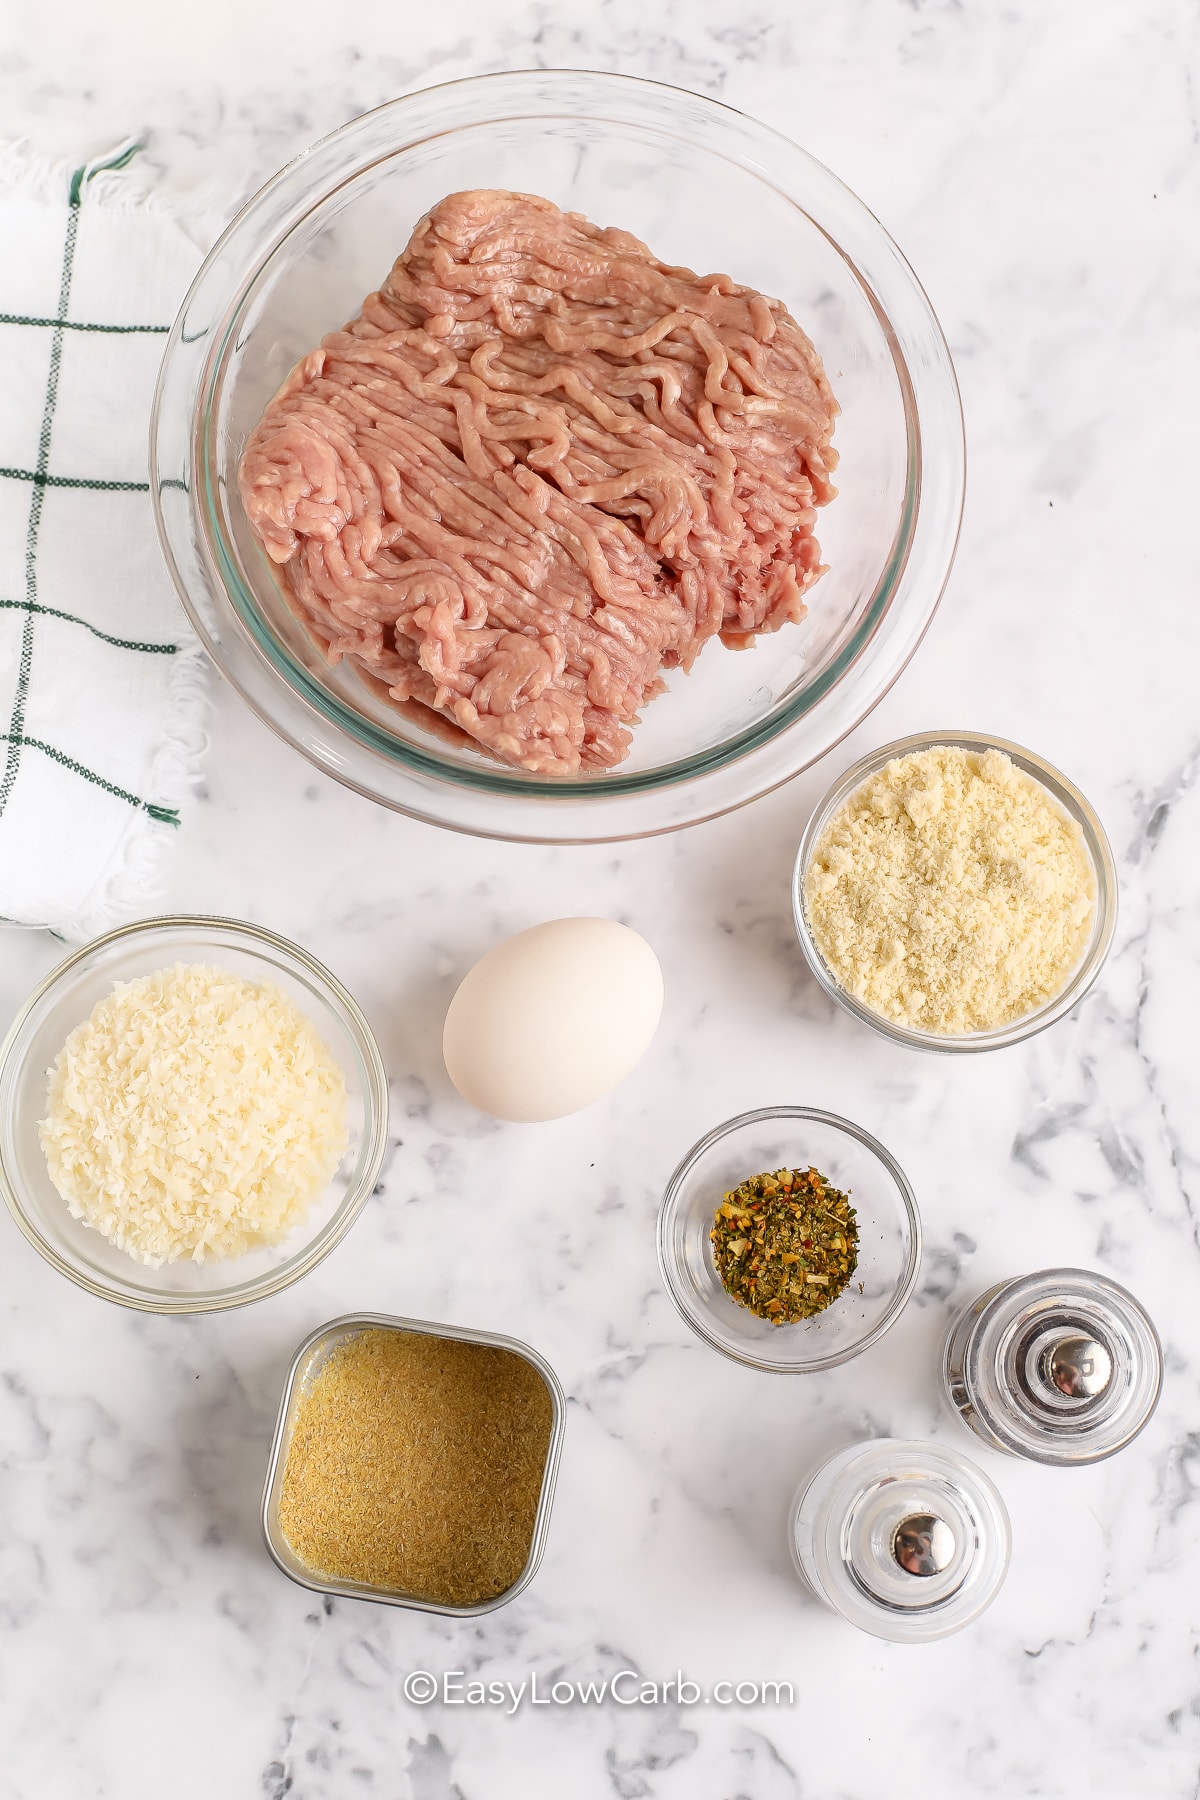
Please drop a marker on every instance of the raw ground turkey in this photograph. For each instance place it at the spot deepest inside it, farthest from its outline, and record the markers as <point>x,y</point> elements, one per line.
<point>539,468</point>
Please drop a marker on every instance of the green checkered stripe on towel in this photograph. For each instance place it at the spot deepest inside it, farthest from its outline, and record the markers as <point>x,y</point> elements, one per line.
<point>39,478</point>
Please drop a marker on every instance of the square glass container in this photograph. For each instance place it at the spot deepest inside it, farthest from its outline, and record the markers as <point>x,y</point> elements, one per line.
<point>307,1363</point>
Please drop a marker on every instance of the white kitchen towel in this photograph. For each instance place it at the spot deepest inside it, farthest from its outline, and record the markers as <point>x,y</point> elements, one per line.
<point>102,684</point>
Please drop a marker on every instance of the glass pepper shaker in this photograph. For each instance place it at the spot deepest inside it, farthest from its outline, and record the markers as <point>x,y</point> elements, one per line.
<point>908,1541</point>
<point>1062,1367</point>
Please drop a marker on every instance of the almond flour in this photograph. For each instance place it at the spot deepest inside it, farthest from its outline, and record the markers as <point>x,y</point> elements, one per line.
<point>951,892</point>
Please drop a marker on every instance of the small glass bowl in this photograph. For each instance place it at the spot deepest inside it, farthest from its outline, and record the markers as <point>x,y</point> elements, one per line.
<point>889,1237</point>
<point>1104,919</point>
<point>65,999</point>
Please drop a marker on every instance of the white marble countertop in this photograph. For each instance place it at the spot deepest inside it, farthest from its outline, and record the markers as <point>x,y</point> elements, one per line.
<point>1039,166</point>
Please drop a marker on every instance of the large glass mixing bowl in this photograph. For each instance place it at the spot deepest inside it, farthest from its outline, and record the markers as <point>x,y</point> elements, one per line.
<point>703,186</point>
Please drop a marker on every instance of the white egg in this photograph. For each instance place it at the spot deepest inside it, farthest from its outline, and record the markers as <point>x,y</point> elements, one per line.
<point>553,1018</point>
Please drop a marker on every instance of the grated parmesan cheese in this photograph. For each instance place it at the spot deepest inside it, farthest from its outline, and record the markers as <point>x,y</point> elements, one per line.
<point>951,892</point>
<point>193,1114</point>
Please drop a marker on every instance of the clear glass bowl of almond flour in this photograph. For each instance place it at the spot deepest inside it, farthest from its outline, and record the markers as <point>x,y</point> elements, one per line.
<point>704,187</point>
<point>1099,931</point>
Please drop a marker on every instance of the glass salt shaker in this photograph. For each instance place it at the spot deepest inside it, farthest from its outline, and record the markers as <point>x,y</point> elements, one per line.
<point>908,1541</point>
<point>1062,1367</point>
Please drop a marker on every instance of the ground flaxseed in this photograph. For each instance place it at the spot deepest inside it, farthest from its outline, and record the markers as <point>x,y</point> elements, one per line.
<point>416,1466</point>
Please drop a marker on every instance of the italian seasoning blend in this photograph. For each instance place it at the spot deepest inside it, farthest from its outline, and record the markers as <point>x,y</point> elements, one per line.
<point>785,1245</point>
<point>416,1466</point>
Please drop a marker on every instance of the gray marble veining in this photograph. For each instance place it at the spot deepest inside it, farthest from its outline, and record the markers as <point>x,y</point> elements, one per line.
<point>1039,166</point>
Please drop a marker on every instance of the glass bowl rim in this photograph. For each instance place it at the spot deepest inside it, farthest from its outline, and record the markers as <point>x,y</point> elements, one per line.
<point>901,1295</point>
<point>1073,802</point>
<point>374,1132</point>
<point>899,292</point>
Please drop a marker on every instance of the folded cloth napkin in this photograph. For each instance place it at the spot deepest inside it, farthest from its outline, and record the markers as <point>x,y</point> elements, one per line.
<point>102,685</point>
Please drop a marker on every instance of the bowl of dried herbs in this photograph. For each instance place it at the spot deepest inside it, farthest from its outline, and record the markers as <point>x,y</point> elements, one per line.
<point>789,1239</point>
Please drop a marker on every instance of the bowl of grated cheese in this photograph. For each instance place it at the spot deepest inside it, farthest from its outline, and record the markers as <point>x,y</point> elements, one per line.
<point>193,1112</point>
<point>955,892</point>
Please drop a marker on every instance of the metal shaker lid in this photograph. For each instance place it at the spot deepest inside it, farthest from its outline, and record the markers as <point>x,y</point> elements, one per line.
<point>907,1540</point>
<point>1062,1367</point>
